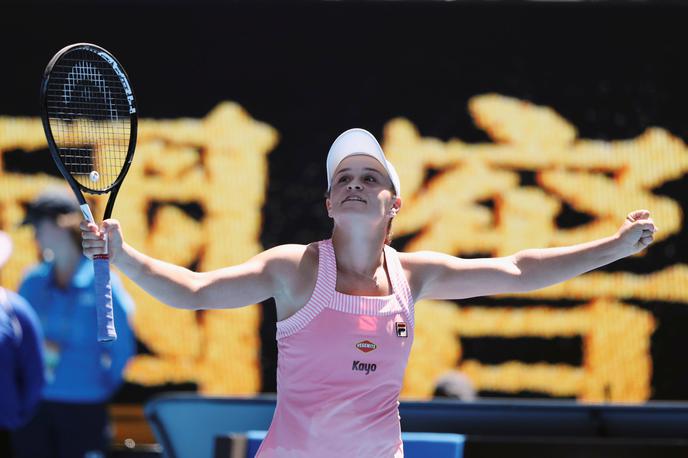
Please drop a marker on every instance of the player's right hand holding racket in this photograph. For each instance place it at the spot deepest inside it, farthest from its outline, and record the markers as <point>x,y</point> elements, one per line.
<point>104,239</point>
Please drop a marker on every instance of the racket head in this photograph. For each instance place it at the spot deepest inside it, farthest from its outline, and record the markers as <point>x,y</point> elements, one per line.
<point>89,116</point>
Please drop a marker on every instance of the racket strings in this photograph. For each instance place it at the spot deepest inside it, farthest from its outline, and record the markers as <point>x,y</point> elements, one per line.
<point>89,117</point>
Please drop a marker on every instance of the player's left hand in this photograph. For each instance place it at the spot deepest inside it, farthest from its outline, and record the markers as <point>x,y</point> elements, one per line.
<point>637,231</point>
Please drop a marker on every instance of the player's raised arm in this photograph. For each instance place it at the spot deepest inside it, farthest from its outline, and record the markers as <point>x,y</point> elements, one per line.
<point>244,284</point>
<point>440,276</point>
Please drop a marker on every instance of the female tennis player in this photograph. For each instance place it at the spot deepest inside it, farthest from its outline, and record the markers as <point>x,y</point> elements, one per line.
<point>345,305</point>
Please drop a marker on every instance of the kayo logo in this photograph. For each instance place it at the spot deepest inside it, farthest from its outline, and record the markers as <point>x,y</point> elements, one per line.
<point>364,367</point>
<point>366,346</point>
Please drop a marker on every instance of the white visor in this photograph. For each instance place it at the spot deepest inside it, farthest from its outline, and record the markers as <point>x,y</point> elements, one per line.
<point>359,141</point>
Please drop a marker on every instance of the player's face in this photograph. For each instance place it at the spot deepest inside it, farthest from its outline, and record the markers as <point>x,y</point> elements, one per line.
<point>360,186</point>
<point>50,236</point>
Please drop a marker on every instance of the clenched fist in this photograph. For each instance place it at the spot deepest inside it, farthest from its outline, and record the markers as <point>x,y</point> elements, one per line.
<point>637,232</point>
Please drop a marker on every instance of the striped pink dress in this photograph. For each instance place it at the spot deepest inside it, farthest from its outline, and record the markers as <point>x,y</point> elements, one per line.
<point>340,368</point>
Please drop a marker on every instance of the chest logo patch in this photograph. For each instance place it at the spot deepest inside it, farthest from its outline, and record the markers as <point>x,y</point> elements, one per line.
<point>401,329</point>
<point>366,346</point>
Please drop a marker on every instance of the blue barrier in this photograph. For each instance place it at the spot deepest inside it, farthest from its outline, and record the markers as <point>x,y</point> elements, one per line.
<point>186,425</point>
<point>416,445</point>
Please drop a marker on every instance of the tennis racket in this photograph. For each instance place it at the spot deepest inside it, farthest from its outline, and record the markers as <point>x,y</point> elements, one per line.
<point>89,118</point>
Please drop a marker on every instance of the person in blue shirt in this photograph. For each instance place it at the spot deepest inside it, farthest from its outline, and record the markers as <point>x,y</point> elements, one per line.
<point>21,361</point>
<point>81,373</point>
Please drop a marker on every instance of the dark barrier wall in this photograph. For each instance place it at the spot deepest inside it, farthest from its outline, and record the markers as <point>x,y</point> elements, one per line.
<point>512,126</point>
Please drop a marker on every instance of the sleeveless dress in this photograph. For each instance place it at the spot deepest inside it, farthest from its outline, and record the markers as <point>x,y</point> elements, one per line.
<point>341,361</point>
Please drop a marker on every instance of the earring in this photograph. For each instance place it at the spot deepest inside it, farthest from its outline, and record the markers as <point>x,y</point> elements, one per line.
<point>392,212</point>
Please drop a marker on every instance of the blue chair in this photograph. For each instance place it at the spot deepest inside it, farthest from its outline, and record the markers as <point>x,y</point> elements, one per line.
<point>186,425</point>
<point>433,445</point>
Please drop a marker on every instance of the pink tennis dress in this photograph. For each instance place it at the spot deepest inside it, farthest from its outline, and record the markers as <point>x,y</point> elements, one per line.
<point>340,368</point>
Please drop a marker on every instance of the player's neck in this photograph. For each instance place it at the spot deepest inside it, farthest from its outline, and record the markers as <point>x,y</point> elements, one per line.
<point>359,251</point>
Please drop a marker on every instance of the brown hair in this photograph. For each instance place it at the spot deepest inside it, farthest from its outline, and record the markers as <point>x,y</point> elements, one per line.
<point>388,237</point>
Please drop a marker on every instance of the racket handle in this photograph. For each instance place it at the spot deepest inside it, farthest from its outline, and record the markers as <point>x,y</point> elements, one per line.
<point>101,268</point>
<point>104,310</point>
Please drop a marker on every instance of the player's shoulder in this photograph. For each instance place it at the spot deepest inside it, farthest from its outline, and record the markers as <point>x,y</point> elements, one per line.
<point>291,251</point>
<point>419,259</point>
<point>294,268</point>
<point>421,265</point>
<point>291,256</point>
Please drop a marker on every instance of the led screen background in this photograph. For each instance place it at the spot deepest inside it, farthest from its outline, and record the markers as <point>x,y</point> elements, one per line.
<point>512,126</point>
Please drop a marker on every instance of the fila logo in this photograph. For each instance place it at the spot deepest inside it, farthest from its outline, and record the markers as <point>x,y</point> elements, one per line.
<point>366,346</point>
<point>401,329</point>
<point>364,367</point>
